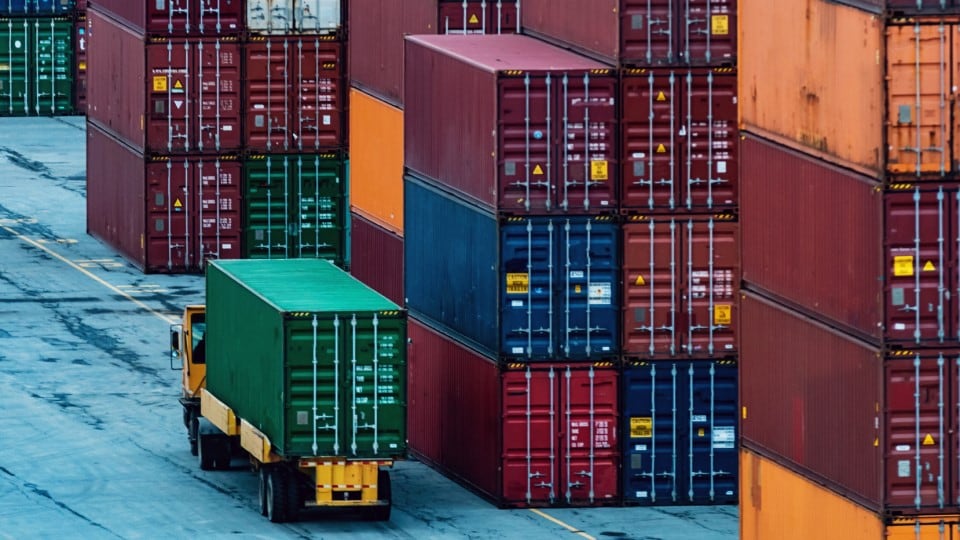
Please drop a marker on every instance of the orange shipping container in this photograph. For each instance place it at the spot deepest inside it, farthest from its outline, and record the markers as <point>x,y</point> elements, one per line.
<point>811,74</point>
<point>776,502</point>
<point>376,160</point>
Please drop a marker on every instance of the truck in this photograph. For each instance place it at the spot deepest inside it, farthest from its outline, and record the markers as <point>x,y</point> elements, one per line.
<point>301,368</point>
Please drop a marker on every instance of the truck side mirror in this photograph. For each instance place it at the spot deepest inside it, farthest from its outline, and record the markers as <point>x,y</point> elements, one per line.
<point>175,362</point>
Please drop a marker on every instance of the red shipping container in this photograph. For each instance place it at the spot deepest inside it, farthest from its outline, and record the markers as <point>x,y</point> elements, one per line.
<point>524,435</point>
<point>165,96</point>
<point>681,278</point>
<point>209,18</point>
<point>680,139</point>
<point>295,94</point>
<point>165,214</point>
<point>634,33</point>
<point>80,63</point>
<point>376,256</point>
<point>881,429</point>
<point>512,123</point>
<point>376,43</point>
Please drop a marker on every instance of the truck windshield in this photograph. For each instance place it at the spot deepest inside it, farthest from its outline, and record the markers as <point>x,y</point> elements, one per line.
<point>198,328</point>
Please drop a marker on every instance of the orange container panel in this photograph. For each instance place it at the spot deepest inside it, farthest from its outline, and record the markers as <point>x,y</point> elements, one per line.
<point>921,136</point>
<point>776,502</point>
<point>811,74</point>
<point>376,160</point>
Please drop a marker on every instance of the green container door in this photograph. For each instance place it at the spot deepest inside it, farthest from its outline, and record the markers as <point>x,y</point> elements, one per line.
<point>36,67</point>
<point>295,207</point>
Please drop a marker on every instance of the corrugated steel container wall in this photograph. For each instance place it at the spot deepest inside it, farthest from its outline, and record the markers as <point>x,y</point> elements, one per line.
<point>289,367</point>
<point>681,284</point>
<point>532,436</point>
<point>538,289</point>
<point>553,117</point>
<point>680,432</point>
<point>639,32</point>
<point>376,43</point>
<point>36,7</point>
<point>294,94</point>
<point>80,64</point>
<point>285,17</point>
<point>827,96</point>
<point>36,75</point>
<point>376,155</point>
<point>376,256</point>
<point>680,139</point>
<point>812,235</point>
<point>295,207</point>
<point>209,18</point>
<point>479,17</point>
<point>165,214</point>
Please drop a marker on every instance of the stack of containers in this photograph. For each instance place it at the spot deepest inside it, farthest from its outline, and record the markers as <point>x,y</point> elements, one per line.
<point>37,57</point>
<point>376,119</point>
<point>512,267</point>
<point>678,189</point>
<point>80,58</point>
<point>850,387</point>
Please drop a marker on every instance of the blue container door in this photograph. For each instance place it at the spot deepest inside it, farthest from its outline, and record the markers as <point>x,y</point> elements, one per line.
<point>52,7</point>
<point>527,252</point>
<point>680,432</point>
<point>14,7</point>
<point>588,288</point>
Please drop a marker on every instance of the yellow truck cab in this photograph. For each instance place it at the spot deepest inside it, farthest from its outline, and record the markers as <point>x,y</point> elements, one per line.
<point>187,353</point>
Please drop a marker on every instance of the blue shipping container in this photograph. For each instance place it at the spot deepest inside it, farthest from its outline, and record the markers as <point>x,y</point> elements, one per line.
<point>36,7</point>
<point>524,288</point>
<point>680,432</point>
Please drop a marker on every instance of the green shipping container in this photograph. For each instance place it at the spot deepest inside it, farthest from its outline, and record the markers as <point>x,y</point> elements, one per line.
<point>295,207</point>
<point>310,356</point>
<point>36,67</point>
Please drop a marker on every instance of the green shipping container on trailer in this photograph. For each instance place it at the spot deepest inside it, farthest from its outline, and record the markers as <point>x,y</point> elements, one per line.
<point>311,357</point>
<point>36,66</point>
<point>295,207</point>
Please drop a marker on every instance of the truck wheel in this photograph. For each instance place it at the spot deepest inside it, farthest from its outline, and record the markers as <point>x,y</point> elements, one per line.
<point>205,452</point>
<point>262,491</point>
<point>294,496</point>
<point>278,489</point>
<point>222,452</point>
<point>382,513</point>
<point>193,428</point>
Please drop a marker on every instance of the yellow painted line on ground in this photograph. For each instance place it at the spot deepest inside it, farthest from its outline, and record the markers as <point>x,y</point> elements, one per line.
<point>570,528</point>
<point>89,274</point>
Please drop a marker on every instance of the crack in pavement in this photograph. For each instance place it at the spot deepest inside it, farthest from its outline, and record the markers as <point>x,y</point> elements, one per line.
<point>27,164</point>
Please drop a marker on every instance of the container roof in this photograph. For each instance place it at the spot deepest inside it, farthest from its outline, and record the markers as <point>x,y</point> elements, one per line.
<point>305,285</point>
<point>500,52</point>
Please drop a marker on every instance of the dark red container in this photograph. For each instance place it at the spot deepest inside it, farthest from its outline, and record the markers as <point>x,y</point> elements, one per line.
<point>512,123</point>
<point>534,435</point>
<point>376,43</point>
<point>164,96</point>
<point>209,18</point>
<point>880,429</point>
<point>80,63</point>
<point>294,94</point>
<point>680,139</point>
<point>164,214</point>
<point>681,287</point>
<point>636,33</point>
<point>376,256</point>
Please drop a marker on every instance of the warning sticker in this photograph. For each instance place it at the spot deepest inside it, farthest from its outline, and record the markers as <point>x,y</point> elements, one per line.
<point>159,83</point>
<point>537,171</point>
<point>600,294</point>
<point>928,440</point>
<point>724,437</point>
<point>640,281</point>
<point>661,149</point>
<point>641,427</point>
<point>177,204</point>
<point>929,267</point>
<point>720,25</point>
<point>903,265</point>
<point>722,314</point>
<point>661,96</point>
<point>474,19</point>
<point>518,283</point>
<point>178,85</point>
<point>598,170</point>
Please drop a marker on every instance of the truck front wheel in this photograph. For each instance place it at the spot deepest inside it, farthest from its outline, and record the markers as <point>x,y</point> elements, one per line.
<point>280,507</point>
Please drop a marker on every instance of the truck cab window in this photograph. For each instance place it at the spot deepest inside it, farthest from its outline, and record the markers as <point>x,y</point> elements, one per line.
<point>198,328</point>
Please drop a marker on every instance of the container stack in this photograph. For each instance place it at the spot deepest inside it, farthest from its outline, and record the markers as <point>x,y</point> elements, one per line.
<point>376,119</point>
<point>678,191</point>
<point>512,265</point>
<point>226,122</point>
<point>37,57</point>
<point>850,382</point>
<point>80,58</point>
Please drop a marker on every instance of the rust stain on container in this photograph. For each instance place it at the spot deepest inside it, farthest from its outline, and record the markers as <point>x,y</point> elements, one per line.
<point>376,160</point>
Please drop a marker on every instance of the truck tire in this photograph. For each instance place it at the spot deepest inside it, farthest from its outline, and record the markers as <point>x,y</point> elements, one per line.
<point>278,491</point>
<point>262,489</point>
<point>192,429</point>
<point>205,452</point>
<point>384,493</point>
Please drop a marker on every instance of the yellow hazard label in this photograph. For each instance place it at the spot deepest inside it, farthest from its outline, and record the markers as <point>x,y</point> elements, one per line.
<point>722,314</point>
<point>538,170</point>
<point>701,432</point>
<point>928,440</point>
<point>661,149</point>
<point>929,267</point>
<point>720,25</point>
<point>82,66</point>
<point>640,281</point>
<point>518,283</point>
<point>661,96</point>
<point>177,85</point>
<point>903,265</point>
<point>641,427</point>
<point>159,83</point>
<point>475,20</point>
<point>4,67</point>
<point>876,441</point>
<point>177,204</point>
<point>598,170</point>
<point>577,289</point>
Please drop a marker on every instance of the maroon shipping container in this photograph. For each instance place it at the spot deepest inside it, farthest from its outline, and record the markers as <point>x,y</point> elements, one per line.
<point>512,123</point>
<point>211,18</point>
<point>165,214</point>
<point>680,139</point>
<point>635,33</point>
<point>681,284</point>
<point>880,429</point>
<point>528,435</point>
<point>295,95</point>
<point>376,43</point>
<point>376,256</point>
<point>165,96</point>
<point>80,63</point>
